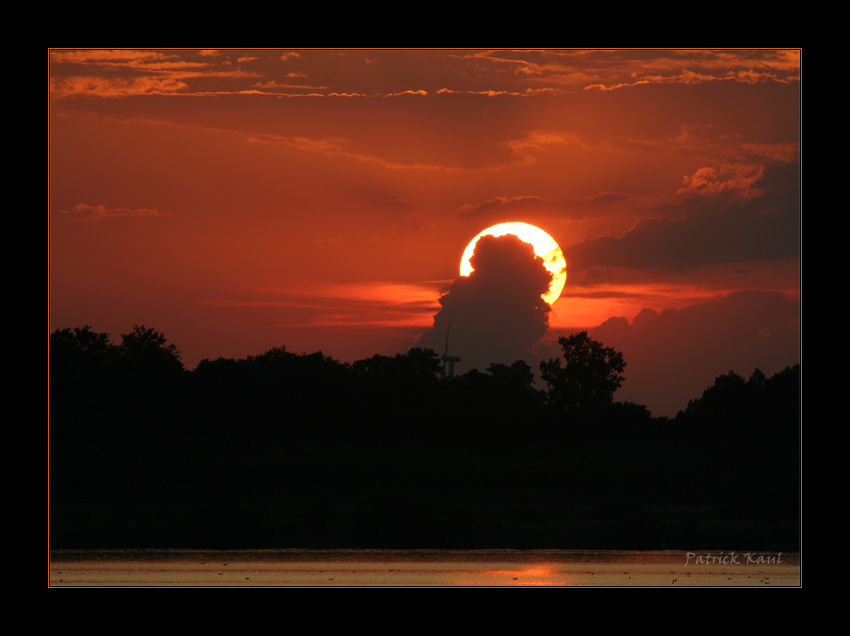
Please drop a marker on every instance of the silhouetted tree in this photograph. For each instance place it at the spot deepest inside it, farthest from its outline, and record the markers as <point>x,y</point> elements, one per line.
<point>79,354</point>
<point>591,375</point>
<point>146,350</point>
<point>728,394</point>
<point>757,378</point>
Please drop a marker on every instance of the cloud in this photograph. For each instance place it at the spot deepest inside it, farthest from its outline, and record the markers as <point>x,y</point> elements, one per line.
<point>165,83</point>
<point>289,56</point>
<point>116,73</point>
<point>503,208</point>
<point>738,179</point>
<point>496,313</point>
<point>690,77</point>
<point>100,57</point>
<point>136,60</point>
<point>333,147</point>
<point>536,140</point>
<point>407,92</point>
<point>85,212</point>
<point>488,93</point>
<point>274,84</point>
<point>705,140</point>
<point>500,205</point>
<point>210,53</point>
<point>375,304</point>
<point>615,69</point>
<point>719,217</point>
<point>115,87</point>
<point>787,152</point>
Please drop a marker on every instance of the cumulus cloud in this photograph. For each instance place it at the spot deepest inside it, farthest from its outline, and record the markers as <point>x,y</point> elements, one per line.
<point>496,313</point>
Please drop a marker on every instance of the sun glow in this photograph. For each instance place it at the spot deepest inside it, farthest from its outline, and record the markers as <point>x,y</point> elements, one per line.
<point>544,246</point>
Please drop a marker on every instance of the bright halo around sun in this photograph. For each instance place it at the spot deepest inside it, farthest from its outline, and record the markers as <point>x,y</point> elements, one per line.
<point>544,246</point>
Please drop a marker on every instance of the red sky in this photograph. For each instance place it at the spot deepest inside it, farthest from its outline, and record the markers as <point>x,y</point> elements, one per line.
<point>321,199</point>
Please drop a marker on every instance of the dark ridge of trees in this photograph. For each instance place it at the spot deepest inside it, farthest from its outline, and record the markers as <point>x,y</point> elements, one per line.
<point>287,449</point>
<point>733,402</point>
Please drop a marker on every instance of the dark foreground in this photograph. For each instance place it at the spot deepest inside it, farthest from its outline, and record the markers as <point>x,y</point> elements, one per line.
<point>285,450</point>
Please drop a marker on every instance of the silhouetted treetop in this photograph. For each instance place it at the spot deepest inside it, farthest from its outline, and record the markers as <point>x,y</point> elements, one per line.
<point>731,400</point>
<point>148,350</point>
<point>590,377</point>
<point>79,352</point>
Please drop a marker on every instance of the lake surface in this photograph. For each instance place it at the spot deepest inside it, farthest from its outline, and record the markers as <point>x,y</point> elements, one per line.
<point>420,568</point>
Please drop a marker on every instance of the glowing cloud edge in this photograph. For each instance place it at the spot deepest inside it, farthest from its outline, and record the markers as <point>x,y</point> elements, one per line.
<point>544,246</point>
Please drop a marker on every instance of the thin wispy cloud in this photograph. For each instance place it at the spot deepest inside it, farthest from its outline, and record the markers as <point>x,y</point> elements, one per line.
<point>106,57</point>
<point>408,92</point>
<point>612,69</point>
<point>85,212</point>
<point>377,304</point>
<point>334,148</point>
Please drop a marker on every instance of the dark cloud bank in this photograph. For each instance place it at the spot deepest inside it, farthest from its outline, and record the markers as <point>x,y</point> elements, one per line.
<point>700,230</point>
<point>673,356</point>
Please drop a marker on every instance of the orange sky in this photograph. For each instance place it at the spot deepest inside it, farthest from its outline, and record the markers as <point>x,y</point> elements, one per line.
<point>321,199</point>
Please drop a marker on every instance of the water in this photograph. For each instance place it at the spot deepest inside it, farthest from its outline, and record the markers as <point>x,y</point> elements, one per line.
<point>421,568</point>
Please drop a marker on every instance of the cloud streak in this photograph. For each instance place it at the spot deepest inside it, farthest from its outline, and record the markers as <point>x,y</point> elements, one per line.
<point>85,212</point>
<point>333,147</point>
<point>376,304</point>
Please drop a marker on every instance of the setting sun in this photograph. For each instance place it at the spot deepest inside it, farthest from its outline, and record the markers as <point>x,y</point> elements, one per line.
<point>544,246</point>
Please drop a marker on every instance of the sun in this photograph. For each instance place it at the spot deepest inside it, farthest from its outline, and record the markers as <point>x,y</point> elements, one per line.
<point>544,246</point>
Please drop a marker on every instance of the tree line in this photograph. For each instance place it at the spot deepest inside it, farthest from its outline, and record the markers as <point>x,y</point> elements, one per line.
<point>287,449</point>
<point>139,387</point>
